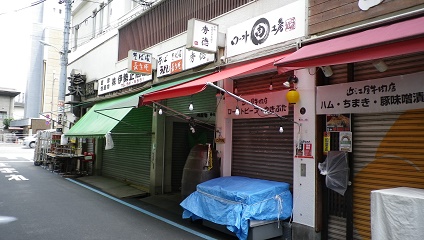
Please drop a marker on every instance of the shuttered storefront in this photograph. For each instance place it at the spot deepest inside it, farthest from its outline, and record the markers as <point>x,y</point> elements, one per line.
<point>129,160</point>
<point>388,152</point>
<point>204,103</point>
<point>368,131</point>
<point>259,150</point>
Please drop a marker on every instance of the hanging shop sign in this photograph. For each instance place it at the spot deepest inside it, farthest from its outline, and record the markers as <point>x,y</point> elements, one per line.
<point>140,62</point>
<point>181,59</point>
<point>274,102</point>
<point>391,94</point>
<point>278,26</point>
<point>77,82</point>
<point>202,36</point>
<point>120,80</point>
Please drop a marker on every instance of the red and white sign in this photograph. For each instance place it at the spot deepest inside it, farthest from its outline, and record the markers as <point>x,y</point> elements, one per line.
<point>181,59</point>
<point>139,62</point>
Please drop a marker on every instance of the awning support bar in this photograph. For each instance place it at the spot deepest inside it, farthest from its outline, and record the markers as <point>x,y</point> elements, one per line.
<point>97,111</point>
<point>252,104</point>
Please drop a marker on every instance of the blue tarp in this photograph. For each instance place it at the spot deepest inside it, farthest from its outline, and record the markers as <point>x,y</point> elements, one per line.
<point>233,201</point>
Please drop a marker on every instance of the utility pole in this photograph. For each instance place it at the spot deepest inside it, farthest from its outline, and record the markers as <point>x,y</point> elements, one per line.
<point>64,64</point>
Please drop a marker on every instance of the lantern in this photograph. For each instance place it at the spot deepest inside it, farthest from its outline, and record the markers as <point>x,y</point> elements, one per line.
<point>292,96</point>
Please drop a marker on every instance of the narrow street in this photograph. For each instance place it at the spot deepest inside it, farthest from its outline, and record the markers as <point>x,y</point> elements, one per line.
<point>49,206</point>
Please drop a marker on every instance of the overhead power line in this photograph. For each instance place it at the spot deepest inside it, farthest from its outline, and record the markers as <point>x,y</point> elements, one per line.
<point>20,9</point>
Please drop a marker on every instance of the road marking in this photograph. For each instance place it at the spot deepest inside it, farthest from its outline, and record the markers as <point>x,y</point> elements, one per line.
<point>15,161</point>
<point>143,211</point>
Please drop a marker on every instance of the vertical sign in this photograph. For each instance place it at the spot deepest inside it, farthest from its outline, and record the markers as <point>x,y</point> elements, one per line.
<point>139,62</point>
<point>202,36</point>
<point>326,142</point>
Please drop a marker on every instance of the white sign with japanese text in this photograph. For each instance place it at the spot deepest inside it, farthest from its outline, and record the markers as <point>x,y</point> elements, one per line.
<point>391,94</point>
<point>277,26</point>
<point>202,36</point>
<point>139,62</point>
<point>273,102</point>
<point>170,62</point>
<point>181,59</point>
<point>120,80</point>
<point>196,58</point>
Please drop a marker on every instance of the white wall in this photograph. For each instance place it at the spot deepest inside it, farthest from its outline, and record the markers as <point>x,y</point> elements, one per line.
<point>304,186</point>
<point>119,6</point>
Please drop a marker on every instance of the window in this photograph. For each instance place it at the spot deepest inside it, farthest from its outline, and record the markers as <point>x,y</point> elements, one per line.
<point>101,13</point>
<point>3,115</point>
<point>76,37</point>
<point>93,33</point>
<point>109,13</point>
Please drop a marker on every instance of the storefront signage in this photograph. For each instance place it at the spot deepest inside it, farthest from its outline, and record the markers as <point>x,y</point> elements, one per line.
<point>278,26</point>
<point>181,59</point>
<point>345,141</point>
<point>170,62</point>
<point>274,102</point>
<point>140,62</point>
<point>398,93</point>
<point>202,36</point>
<point>120,80</point>
<point>338,122</point>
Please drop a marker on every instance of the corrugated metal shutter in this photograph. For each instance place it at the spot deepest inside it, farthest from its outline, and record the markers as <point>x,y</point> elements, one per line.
<point>203,102</point>
<point>388,152</point>
<point>336,228</point>
<point>129,160</point>
<point>368,141</point>
<point>261,151</point>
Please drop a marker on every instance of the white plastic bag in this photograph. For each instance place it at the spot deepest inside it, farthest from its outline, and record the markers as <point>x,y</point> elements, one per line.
<point>109,141</point>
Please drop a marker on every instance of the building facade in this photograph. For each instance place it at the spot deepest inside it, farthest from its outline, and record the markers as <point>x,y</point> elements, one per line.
<point>188,94</point>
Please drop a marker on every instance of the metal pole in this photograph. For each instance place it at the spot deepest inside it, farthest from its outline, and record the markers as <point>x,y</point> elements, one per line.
<point>51,107</point>
<point>64,64</point>
<point>247,102</point>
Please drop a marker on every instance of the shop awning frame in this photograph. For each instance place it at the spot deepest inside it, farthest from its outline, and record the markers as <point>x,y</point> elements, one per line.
<point>400,38</point>
<point>198,85</point>
<point>105,115</point>
<point>95,125</point>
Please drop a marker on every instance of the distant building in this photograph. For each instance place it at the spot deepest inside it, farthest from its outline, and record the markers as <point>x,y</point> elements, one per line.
<point>7,104</point>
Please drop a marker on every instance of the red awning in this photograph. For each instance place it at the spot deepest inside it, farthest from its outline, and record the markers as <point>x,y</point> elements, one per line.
<point>198,85</point>
<point>392,40</point>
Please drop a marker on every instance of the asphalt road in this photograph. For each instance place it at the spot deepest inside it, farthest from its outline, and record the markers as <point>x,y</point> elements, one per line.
<point>48,206</point>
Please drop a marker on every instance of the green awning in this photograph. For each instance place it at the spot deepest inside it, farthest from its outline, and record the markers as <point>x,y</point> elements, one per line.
<point>104,116</point>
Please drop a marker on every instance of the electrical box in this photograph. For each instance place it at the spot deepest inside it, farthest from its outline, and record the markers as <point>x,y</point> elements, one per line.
<point>303,169</point>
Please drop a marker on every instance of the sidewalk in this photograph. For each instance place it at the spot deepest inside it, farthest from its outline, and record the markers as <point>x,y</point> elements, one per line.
<point>113,187</point>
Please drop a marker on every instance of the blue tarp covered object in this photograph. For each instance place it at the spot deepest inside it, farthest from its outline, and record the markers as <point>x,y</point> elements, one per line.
<point>233,201</point>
